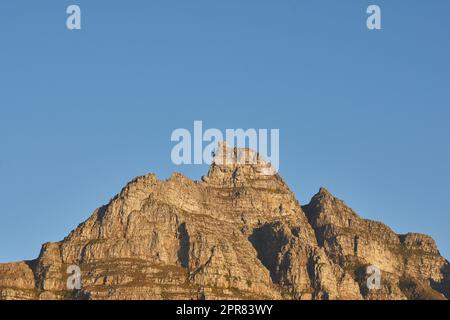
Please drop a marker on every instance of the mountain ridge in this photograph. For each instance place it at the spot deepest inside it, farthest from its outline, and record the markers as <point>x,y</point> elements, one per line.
<point>238,233</point>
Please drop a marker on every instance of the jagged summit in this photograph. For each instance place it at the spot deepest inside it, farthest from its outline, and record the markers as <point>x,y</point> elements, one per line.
<point>324,195</point>
<point>237,164</point>
<point>324,192</point>
<point>239,233</point>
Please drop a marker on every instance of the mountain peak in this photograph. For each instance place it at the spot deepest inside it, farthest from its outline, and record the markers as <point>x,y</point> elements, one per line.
<point>233,164</point>
<point>324,192</point>
<point>323,197</point>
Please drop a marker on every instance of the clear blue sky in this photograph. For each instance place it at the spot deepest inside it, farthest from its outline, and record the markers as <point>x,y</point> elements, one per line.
<point>365,114</point>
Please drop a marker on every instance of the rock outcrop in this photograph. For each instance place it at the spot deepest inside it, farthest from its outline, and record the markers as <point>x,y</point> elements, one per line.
<point>239,233</point>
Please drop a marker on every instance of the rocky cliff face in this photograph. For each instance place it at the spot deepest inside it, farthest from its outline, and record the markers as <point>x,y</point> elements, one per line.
<point>237,234</point>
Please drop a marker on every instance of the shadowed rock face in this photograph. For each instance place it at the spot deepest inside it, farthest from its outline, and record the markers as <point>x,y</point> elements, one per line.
<point>236,234</point>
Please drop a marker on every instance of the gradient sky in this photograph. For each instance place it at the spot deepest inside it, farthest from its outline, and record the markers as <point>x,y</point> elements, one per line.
<point>363,113</point>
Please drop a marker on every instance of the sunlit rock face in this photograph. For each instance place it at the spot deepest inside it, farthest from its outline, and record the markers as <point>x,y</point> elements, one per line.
<point>239,233</point>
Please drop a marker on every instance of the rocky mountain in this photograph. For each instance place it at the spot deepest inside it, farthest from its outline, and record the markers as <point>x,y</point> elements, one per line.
<point>239,233</point>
